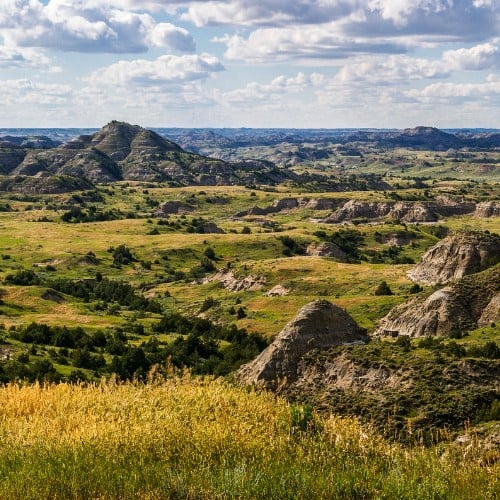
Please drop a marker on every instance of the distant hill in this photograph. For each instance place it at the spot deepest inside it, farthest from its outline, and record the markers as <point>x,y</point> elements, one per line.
<point>120,151</point>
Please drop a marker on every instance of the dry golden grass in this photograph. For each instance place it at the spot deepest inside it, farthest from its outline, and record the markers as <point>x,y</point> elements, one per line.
<point>194,438</point>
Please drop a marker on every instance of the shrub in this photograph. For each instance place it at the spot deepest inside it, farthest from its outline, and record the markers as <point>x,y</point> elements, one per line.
<point>383,289</point>
<point>122,255</point>
<point>23,277</point>
<point>208,303</point>
<point>209,253</point>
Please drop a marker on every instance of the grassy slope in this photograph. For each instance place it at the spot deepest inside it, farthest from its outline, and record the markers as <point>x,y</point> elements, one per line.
<point>187,438</point>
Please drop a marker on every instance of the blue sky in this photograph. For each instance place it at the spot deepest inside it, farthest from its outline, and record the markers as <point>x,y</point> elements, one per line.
<point>265,63</point>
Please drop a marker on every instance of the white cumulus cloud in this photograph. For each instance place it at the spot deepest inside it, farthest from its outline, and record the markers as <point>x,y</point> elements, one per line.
<point>26,91</point>
<point>459,91</point>
<point>167,69</point>
<point>390,70</point>
<point>480,57</point>
<point>87,26</point>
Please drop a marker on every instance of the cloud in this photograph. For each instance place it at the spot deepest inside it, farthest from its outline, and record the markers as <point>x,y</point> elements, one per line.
<point>310,42</point>
<point>168,35</point>
<point>83,26</point>
<point>334,29</point>
<point>424,21</point>
<point>25,91</point>
<point>279,87</point>
<point>480,57</point>
<point>402,69</point>
<point>267,12</point>
<point>164,70</point>
<point>17,57</point>
<point>473,20</point>
<point>451,91</point>
<point>399,11</point>
<point>391,70</point>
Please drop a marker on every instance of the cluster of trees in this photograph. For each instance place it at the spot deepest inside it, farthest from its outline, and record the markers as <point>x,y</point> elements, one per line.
<point>77,214</point>
<point>348,240</point>
<point>92,289</point>
<point>291,246</point>
<point>20,369</point>
<point>201,345</point>
<point>122,255</point>
<point>488,349</point>
<point>107,291</point>
<point>390,255</point>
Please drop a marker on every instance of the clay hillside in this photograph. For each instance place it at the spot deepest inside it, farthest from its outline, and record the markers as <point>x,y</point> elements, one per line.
<point>318,325</point>
<point>458,255</point>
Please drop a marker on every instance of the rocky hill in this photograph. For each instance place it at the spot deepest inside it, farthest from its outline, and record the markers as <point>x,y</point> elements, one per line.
<point>318,325</point>
<point>30,141</point>
<point>120,151</point>
<point>470,302</point>
<point>460,254</point>
<point>402,388</point>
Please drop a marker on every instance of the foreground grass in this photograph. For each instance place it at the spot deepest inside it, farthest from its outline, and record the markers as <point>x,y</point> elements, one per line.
<point>193,438</point>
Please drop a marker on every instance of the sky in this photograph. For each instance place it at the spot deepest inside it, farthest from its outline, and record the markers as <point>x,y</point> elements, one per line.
<point>250,63</point>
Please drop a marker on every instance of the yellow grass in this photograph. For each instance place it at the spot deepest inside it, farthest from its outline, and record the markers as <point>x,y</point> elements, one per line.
<point>194,438</point>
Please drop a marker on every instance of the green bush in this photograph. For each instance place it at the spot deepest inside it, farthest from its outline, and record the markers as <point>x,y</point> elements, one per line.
<point>383,289</point>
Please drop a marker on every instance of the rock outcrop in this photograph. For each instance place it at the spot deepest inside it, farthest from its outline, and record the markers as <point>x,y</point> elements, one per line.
<point>323,203</point>
<point>278,291</point>
<point>44,184</point>
<point>11,156</point>
<point>210,228</point>
<point>437,315</point>
<point>231,283</point>
<point>326,249</point>
<point>458,255</point>
<point>318,325</point>
<point>172,207</point>
<point>405,211</point>
<point>491,313</point>
<point>120,151</point>
<point>488,209</point>
<point>277,206</point>
<point>470,302</point>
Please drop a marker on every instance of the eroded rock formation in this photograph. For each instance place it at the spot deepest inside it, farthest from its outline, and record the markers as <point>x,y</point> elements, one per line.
<point>457,255</point>
<point>318,325</point>
<point>470,302</point>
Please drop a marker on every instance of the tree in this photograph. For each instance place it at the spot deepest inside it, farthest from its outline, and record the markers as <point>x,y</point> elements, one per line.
<point>122,256</point>
<point>383,289</point>
<point>209,253</point>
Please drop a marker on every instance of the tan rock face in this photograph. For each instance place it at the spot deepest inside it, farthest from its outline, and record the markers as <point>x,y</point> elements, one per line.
<point>491,313</point>
<point>326,249</point>
<point>437,315</point>
<point>278,291</point>
<point>230,282</point>
<point>488,209</point>
<point>318,325</point>
<point>456,256</point>
<point>470,302</point>
<point>172,207</point>
<point>322,204</point>
<point>405,211</point>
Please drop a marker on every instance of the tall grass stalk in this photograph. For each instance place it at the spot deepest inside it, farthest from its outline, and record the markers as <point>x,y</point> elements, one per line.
<point>202,438</point>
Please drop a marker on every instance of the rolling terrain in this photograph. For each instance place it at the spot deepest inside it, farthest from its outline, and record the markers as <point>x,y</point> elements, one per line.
<point>359,281</point>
